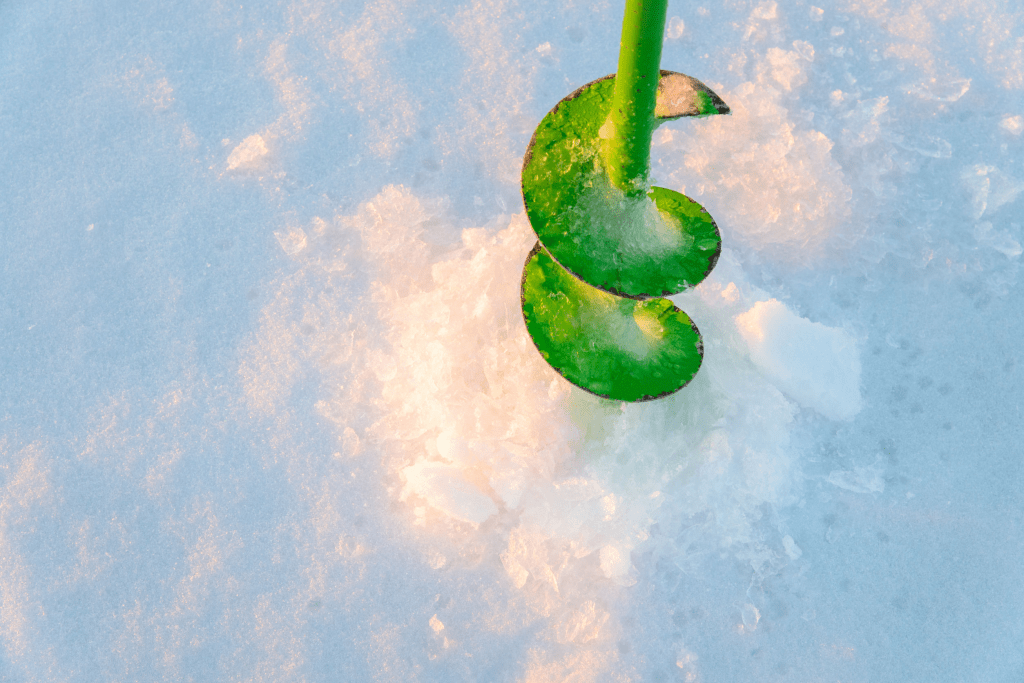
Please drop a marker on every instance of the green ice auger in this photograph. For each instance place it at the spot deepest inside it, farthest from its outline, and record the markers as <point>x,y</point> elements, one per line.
<point>609,243</point>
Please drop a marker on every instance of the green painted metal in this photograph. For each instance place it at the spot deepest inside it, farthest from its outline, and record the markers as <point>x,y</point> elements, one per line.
<point>614,347</point>
<point>654,245</point>
<point>631,120</point>
<point>610,243</point>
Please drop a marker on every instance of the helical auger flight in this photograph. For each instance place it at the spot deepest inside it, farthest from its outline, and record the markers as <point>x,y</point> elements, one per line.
<point>610,245</point>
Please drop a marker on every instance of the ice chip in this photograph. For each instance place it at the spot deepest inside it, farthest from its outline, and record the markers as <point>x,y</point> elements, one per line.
<point>582,625</point>
<point>614,561</point>
<point>1000,240</point>
<point>292,240</point>
<point>990,188</point>
<point>859,479</point>
<point>350,442</point>
<point>785,68</point>
<point>804,49</point>
<point>687,661</point>
<point>250,149</point>
<point>516,572</point>
<point>445,488</point>
<point>675,28</point>
<point>942,90</point>
<point>750,616</point>
<point>817,366</point>
<point>765,10</point>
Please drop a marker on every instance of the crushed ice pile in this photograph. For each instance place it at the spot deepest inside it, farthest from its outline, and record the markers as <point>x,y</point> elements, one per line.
<point>269,412</point>
<point>489,429</point>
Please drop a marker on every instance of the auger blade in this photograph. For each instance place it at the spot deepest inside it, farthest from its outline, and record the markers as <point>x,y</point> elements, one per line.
<point>617,348</point>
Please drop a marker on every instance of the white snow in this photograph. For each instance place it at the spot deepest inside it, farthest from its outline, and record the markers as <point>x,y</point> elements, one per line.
<point>269,410</point>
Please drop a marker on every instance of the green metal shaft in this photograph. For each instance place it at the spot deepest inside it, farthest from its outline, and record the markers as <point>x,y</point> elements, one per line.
<point>628,149</point>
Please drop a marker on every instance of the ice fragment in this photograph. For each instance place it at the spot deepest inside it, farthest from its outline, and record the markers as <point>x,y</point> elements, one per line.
<point>445,488</point>
<point>250,149</point>
<point>818,366</point>
<point>859,479</point>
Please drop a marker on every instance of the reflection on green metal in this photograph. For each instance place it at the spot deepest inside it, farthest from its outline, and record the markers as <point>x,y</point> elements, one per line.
<point>609,242</point>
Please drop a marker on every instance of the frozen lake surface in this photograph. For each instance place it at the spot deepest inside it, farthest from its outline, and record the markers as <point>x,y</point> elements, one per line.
<point>269,411</point>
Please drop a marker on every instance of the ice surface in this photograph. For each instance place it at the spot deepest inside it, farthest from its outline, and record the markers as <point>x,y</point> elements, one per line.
<point>268,410</point>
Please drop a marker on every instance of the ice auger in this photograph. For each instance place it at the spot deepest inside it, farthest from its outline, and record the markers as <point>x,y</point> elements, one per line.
<point>610,245</point>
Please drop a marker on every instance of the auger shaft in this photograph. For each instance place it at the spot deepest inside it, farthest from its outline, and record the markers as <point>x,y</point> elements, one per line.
<point>628,147</point>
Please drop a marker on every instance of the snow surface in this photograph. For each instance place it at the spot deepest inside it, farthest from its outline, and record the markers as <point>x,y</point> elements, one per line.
<point>269,412</point>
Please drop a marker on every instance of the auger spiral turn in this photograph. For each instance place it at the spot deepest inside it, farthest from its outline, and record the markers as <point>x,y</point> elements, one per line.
<point>610,245</point>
